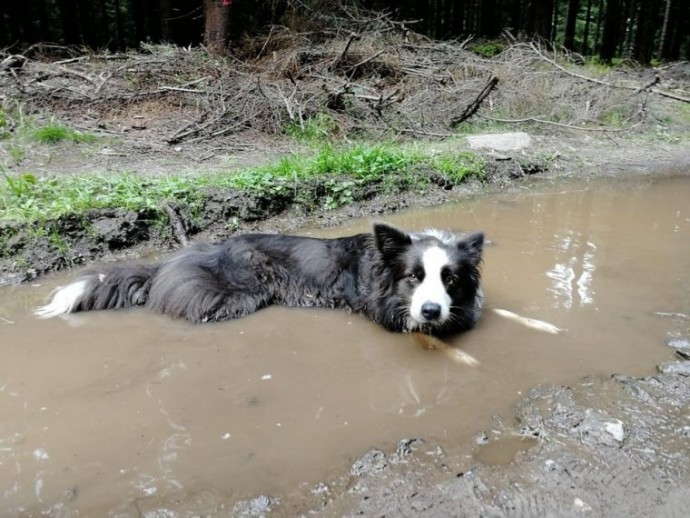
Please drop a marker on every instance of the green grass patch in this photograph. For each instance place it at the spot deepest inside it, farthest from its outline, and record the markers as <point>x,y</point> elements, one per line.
<point>460,166</point>
<point>319,128</point>
<point>488,49</point>
<point>329,178</point>
<point>53,133</point>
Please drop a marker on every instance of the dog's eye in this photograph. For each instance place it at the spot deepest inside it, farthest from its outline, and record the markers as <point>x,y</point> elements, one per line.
<point>413,277</point>
<point>450,282</point>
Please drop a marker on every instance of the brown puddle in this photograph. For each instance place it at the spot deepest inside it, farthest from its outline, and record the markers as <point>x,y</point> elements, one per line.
<point>101,409</point>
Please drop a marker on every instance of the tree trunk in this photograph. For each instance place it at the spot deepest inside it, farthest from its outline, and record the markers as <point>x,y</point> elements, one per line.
<point>216,17</point>
<point>90,34</point>
<point>489,19</point>
<point>457,18</point>
<point>611,28</point>
<point>570,21</point>
<point>681,24</point>
<point>585,34</point>
<point>119,26</point>
<point>543,17</point>
<point>597,32</point>
<point>663,40</point>
<point>515,17</point>
<point>646,29</point>
<point>70,24</point>
<point>165,15</point>
<point>136,7</point>
<point>44,32</point>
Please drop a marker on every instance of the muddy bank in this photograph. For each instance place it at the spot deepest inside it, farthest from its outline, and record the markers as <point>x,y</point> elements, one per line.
<point>606,446</point>
<point>30,250</point>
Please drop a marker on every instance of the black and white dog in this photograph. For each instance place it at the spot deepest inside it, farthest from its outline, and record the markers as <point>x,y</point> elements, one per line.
<point>425,281</point>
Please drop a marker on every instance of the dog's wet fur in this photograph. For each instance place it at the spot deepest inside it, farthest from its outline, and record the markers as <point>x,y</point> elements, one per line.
<point>425,281</point>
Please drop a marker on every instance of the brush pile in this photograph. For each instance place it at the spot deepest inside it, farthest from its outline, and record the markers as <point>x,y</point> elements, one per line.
<point>367,75</point>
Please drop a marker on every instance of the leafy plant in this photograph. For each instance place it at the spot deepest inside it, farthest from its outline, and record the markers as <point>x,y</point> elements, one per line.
<point>459,166</point>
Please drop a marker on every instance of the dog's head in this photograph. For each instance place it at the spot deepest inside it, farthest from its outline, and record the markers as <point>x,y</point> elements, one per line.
<point>433,277</point>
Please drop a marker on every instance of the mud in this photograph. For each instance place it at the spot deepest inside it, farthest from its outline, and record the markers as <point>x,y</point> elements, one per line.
<point>605,446</point>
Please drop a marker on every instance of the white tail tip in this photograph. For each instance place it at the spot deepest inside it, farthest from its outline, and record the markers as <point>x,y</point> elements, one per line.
<point>532,323</point>
<point>65,300</point>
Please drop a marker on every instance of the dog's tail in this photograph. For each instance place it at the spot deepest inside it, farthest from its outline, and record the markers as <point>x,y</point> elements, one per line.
<point>112,287</point>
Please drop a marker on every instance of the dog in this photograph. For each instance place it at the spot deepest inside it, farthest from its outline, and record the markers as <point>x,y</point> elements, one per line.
<point>426,282</point>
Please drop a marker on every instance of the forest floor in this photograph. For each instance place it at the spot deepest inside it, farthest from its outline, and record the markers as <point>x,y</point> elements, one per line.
<point>171,112</point>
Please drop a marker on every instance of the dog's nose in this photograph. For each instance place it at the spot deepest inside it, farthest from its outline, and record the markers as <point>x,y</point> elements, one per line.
<point>431,310</point>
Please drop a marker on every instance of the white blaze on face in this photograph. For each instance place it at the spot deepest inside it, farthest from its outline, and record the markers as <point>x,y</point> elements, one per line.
<point>431,289</point>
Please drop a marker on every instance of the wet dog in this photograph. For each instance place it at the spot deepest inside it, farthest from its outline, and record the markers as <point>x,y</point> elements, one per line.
<point>425,281</point>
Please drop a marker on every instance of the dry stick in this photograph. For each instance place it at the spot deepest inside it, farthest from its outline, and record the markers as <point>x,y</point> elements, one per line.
<point>353,36</point>
<point>472,108</point>
<point>83,76</point>
<point>560,124</point>
<point>184,87</point>
<point>268,38</point>
<point>605,83</point>
<point>177,225</point>
<point>365,61</point>
<point>670,95</point>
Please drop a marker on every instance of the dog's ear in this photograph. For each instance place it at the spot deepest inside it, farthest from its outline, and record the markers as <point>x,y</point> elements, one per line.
<point>390,241</point>
<point>472,245</point>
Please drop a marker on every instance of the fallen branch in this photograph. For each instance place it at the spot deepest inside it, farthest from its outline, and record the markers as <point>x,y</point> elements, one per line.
<point>610,85</point>
<point>353,37</point>
<point>472,108</point>
<point>177,225</point>
<point>560,124</point>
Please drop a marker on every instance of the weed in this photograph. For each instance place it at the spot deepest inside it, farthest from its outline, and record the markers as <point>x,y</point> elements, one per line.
<point>53,133</point>
<point>460,166</point>
<point>488,49</point>
<point>330,177</point>
<point>315,129</point>
<point>17,154</point>
<point>20,186</point>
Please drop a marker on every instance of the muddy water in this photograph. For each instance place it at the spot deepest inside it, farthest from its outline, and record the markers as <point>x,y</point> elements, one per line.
<point>100,410</point>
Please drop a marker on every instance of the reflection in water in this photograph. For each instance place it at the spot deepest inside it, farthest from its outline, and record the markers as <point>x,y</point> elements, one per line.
<point>573,274</point>
<point>409,398</point>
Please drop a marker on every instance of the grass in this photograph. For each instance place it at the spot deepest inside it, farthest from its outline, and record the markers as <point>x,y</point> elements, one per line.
<point>53,133</point>
<point>315,129</point>
<point>19,132</point>
<point>329,177</point>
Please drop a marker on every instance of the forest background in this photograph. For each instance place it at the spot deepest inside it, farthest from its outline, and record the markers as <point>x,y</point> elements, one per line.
<point>640,31</point>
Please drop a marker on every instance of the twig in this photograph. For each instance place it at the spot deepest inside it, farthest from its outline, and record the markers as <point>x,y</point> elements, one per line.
<point>268,38</point>
<point>560,124</point>
<point>472,108</point>
<point>610,85</point>
<point>365,61</point>
<point>76,73</point>
<point>670,95</point>
<point>353,36</point>
<point>177,225</point>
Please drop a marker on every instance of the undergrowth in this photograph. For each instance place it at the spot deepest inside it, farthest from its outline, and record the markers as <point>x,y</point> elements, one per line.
<point>328,178</point>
